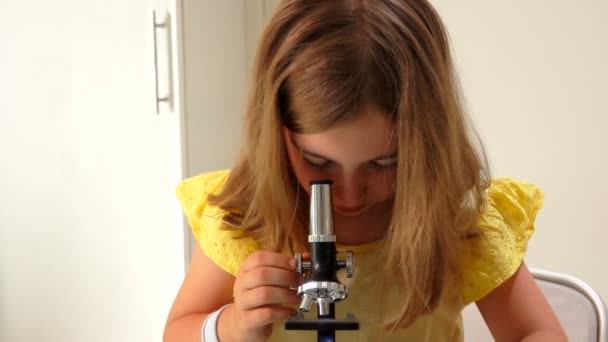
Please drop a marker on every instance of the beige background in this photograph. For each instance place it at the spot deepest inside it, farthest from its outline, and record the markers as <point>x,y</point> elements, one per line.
<point>535,74</point>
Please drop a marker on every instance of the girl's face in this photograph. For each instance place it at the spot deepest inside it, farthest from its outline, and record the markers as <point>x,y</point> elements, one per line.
<point>360,156</point>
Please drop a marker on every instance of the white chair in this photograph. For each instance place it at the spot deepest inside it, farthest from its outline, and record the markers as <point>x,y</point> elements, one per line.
<point>579,308</point>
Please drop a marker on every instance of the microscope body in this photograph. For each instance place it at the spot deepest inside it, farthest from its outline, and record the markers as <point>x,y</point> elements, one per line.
<point>321,285</point>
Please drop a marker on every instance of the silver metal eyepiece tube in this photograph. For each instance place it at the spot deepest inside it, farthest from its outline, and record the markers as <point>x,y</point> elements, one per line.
<point>321,209</point>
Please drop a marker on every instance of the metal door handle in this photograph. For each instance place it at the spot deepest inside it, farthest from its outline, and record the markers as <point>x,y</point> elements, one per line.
<point>156,26</point>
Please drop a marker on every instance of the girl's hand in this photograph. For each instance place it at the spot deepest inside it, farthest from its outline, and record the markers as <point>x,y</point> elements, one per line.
<point>262,295</point>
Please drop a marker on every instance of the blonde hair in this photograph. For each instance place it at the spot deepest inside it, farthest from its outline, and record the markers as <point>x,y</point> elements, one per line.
<point>320,63</point>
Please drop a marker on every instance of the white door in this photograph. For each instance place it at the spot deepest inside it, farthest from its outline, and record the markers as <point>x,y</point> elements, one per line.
<point>91,246</point>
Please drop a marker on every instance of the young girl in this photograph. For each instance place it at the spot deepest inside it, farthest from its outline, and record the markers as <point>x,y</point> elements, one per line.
<point>362,93</point>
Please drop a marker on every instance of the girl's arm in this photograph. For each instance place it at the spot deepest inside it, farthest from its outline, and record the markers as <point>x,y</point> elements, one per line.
<point>517,310</point>
<point>261,293</point>
<point>206,288</point>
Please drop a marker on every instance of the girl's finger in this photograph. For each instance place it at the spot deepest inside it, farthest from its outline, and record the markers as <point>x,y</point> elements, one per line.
<point>265,258</point>
<point>267,295</point>
<point>268,276</point>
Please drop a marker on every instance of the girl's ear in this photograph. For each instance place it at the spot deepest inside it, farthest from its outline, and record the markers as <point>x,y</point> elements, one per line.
<point>287,137</point>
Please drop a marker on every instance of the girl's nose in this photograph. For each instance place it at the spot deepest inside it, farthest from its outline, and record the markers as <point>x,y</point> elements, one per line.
<point>349,191</point>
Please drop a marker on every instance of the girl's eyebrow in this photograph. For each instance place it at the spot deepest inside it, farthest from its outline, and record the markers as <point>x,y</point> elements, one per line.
<point>392,155</point>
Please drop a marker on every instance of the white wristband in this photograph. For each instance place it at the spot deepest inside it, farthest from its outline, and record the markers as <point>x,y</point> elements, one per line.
<point>209,330</point>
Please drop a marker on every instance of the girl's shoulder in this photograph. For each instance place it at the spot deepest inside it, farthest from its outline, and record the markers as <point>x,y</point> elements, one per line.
<point>202,184</point>
<point>192,192</point>
<point>505,226</point>
<point>224,247</point>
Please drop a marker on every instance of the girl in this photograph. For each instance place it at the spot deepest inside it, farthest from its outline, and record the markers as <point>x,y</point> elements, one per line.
<point>362,93</point>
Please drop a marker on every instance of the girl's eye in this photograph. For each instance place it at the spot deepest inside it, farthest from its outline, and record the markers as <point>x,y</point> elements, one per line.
<point>385,164</point>
<point>317,164</point>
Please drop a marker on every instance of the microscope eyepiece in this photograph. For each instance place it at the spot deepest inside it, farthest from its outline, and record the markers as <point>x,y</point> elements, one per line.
<point>321,212</point>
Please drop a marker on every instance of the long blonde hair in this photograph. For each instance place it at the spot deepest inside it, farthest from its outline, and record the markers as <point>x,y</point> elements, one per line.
<point>320,63</point>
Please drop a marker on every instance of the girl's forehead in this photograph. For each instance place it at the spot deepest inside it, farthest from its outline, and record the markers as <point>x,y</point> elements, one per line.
<point>365,137</point>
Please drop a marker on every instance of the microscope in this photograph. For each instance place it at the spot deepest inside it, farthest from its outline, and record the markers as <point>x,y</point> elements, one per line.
<point>321,285</point>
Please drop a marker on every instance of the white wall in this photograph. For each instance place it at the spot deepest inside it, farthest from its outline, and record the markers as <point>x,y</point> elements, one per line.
<point>535,74</point>
<point>216,39</point>
<point>215,82</point>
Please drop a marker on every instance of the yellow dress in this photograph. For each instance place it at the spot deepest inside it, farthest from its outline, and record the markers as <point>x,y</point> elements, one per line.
<point>506,226</point>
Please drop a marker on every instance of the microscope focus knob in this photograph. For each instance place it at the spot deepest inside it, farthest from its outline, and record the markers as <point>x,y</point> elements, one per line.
<point>299,269</point>
<point>302,266</point>
<point>350,268</point>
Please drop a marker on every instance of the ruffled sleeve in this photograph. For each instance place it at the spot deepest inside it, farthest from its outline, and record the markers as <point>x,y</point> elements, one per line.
<point>205,221</point>
<point>505,227</point>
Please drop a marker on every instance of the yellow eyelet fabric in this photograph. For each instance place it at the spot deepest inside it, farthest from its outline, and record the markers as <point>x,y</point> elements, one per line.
<point>206,222</point>
<point>506,225</point>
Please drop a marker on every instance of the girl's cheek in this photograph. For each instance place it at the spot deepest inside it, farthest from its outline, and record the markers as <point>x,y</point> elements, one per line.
<point>383,184</point>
